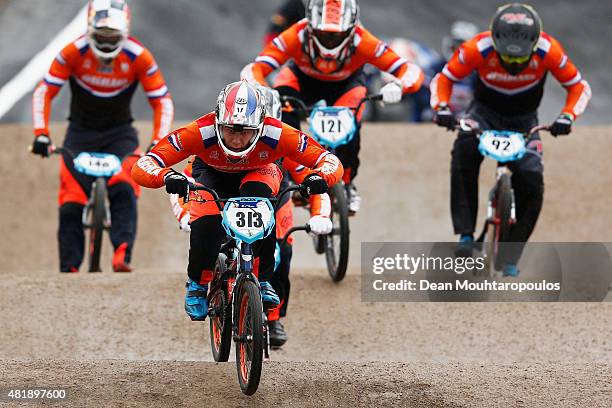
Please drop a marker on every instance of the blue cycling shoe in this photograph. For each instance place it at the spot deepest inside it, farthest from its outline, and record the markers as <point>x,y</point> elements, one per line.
<point>465,247</point>
<point>196,304</point>
<point>268,295</point>
<point>511,270</point>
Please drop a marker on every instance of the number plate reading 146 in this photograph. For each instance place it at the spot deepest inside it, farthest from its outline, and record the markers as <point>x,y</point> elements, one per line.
<point>249,218</point>
<point>332,126</point>
<point>98,164</point>
<point>502,146</point>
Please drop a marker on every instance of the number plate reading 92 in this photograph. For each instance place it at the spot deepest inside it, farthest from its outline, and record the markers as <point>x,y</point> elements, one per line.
<point>249,217</point>
<point>507,146</point>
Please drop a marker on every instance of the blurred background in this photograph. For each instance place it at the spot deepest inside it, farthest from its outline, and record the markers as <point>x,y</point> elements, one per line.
<point>202,45</point>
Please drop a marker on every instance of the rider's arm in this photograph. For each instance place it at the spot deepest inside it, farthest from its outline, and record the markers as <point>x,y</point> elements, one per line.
<point>564,70</point>
<point>50,86</point>
<point>150,169</point>
<point>180,208</point>
<point>275,54</point>
<point>304,150</point>
<point>410,76</point>
<point>463,62</point>
<point>156,90</point>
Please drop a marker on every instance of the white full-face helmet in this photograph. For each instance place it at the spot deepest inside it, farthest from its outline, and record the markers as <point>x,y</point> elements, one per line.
<point>242,106</point>
<point>108,26</point>
<point>330,32</point>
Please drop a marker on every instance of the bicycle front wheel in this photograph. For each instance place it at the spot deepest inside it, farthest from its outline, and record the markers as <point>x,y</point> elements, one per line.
<point>250,337</point>
<point>97,213</point>
<point>336,243</point>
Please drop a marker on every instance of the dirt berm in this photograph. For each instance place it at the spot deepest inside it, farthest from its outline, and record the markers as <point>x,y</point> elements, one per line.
<point>123,339</point>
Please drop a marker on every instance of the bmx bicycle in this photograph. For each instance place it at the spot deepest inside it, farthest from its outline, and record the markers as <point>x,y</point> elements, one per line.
<point>236,309</point>
<point>505,147</point>
<point>96,213</point>
<point>332,126</point>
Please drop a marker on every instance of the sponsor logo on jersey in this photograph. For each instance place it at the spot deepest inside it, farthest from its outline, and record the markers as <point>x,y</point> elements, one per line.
<point>214,155</point>
<point>87,64</point>
<point>264,155</point>
<point>104,82</point>
<point>505,77</point>
<point>125,67</point>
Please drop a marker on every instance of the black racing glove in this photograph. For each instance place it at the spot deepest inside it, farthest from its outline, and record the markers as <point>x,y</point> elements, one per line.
<point>176,183</point>
<point>313,184</point>
<point>444,117</point>
<point>562,125</point>
<point>41,145</point>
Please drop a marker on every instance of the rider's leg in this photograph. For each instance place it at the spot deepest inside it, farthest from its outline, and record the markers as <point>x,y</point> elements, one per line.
<point>122,193</point>
<point>72,199</point>
<point>465,169</point>
<point>528,186</point>
<point>124,215</point>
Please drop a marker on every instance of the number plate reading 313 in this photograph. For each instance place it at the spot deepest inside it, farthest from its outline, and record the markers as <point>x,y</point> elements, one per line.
<point>248,219</point>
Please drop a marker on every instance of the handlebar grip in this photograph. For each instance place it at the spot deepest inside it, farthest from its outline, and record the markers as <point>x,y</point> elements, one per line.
<point>377,97</point>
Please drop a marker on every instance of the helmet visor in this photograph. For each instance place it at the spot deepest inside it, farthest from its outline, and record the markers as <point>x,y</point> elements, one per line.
<point>514,60</point>
<point>330,39</point>
<point>107,40</point>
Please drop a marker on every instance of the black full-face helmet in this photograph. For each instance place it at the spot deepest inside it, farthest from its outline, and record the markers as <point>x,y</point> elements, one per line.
<point>515,29</point>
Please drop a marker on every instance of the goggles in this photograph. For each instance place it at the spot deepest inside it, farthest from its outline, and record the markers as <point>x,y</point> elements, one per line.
<point>514,60</point>
<point>330,39</point>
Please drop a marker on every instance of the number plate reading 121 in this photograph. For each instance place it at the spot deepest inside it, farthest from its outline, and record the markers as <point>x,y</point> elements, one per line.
<point>248,218</point>
<point>332,126</point>
<point>502,146</point>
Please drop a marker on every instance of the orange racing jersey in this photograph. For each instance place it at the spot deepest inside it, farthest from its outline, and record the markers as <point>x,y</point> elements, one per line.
<point>199,138</point>
<point>102,94</point>
<point>291,45</point>
<point>512,94</point>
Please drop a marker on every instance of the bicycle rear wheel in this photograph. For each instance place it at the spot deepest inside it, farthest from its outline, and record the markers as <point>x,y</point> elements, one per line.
<point>97,213</point>
<point>250,337</point>
<point>336,243</point>
<point>220,318</point>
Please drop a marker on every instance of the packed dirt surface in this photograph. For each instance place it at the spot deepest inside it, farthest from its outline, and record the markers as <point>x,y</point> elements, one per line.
<point>124,340</point>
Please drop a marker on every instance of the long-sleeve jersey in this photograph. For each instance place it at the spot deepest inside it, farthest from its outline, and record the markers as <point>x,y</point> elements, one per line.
<point>199,138</point>
<point>291,45</point>
<point>102,95</point>
<point>512,94</point>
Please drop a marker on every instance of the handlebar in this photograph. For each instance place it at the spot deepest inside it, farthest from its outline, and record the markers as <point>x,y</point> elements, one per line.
<point>305,110</point>
<point>466,126</point>
<point>63,149</point>
<point>276,200</point>
<point>292,230</point>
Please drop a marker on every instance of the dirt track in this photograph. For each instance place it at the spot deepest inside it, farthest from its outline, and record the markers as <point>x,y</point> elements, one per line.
<point>341,351</point>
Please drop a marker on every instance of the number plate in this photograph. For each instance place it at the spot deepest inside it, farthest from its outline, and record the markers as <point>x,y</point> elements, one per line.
<point>248,218</point>
<point>97,164</point>
<point>503,146</point>
<point>332,126</point>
